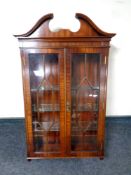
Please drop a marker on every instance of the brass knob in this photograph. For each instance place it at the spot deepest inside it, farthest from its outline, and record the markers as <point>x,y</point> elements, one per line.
<point>68,107</point>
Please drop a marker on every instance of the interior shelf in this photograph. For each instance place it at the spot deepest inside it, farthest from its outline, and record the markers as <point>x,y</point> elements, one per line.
<point>85,87</point>
<point>85,107</point>
<point>46,126</point>
<point>78,126</point>
<point>46,108</point>
<point>47,88</point>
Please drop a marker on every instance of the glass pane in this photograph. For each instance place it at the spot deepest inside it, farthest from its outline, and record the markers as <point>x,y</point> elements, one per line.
<point>45,93</point>
<point>85,101</point>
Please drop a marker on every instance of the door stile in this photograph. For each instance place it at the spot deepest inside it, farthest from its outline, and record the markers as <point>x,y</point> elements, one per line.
<point>68,102</point>
<point>62,103</point>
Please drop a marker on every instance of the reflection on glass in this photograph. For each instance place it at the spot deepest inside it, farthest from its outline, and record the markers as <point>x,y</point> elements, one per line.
<point>85,101</point>
<point>39,72</point>
<point>44,87</point>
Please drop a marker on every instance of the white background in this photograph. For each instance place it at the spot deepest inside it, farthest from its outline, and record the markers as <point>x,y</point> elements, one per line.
<point>18,16</point>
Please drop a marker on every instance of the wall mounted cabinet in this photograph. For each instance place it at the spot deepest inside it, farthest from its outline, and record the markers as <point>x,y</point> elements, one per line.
<point>64,82</point>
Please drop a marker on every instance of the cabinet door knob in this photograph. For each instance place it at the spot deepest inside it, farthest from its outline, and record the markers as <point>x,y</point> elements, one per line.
<point>68,107</point>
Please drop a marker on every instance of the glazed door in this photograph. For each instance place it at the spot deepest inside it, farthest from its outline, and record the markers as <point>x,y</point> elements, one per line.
<point>83,103</point>
<point>45,102</point>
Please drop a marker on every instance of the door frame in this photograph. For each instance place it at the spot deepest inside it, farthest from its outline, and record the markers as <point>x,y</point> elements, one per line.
<point>102,101</point>
<point>27,101</point>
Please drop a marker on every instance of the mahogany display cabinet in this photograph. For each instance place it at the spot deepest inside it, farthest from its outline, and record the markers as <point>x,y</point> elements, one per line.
<point>64,83</point>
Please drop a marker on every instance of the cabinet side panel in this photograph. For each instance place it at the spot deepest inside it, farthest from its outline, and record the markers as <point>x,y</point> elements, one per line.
<point>102,104</point>
<point>26,94</point>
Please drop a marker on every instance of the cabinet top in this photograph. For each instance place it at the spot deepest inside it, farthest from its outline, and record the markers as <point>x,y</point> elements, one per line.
<point>87,29</point>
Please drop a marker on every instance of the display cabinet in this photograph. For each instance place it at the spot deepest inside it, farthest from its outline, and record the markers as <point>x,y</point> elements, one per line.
<point>64,82</point>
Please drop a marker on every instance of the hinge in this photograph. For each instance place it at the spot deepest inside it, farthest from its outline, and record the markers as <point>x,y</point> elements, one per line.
<point>105,60</point>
